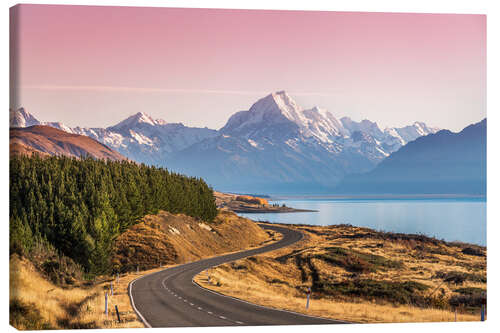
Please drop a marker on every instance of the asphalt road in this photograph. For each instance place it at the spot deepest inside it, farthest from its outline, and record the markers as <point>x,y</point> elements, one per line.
<point>170,298</point>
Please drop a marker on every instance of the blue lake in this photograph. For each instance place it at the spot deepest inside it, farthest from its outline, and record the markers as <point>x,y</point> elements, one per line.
<point>462,219</point>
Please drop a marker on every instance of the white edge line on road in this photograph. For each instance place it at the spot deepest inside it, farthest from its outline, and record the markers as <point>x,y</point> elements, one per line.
<point>219,294</point>
<point>133,304</point>
<point>261,306</point>
<point>268,308</point>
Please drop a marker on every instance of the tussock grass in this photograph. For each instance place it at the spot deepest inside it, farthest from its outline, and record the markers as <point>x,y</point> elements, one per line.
<point>36,303</point>
<point>356,261</point>
<point>361,275</point>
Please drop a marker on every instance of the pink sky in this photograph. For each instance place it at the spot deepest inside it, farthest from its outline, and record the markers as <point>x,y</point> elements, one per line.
<point>94,66</point>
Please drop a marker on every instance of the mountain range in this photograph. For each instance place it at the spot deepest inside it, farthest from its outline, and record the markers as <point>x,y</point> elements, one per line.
<point>274,146</point>
<point>440,163</point>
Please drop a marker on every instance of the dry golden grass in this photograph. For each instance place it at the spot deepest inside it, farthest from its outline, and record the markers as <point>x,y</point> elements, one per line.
<point>50,306</point>
<point>168,239</point>
<point>37,303</point>
<point>275,281</point>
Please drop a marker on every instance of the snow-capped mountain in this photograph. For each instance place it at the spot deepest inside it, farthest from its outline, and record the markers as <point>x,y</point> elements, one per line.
<point>275,146</point>
<point>139,137</point>
<point>21,118</point>
<point>277,116</point>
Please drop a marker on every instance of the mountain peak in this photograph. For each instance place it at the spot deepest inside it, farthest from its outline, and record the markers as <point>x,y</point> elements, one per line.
<point>279,103</point>
<point>142,117</point>
<point>21,118</point>
<point>134,120</point>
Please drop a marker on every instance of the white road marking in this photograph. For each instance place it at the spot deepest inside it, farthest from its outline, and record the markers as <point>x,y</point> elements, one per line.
<point>199,308</point>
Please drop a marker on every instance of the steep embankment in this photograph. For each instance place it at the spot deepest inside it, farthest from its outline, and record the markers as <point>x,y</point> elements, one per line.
<point>167,238</point>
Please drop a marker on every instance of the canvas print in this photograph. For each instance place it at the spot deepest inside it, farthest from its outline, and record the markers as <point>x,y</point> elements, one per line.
<point>174,167</point>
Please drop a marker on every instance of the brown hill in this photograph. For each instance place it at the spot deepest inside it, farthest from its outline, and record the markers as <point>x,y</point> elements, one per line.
<point>168,239</point>
<point>46,140</point>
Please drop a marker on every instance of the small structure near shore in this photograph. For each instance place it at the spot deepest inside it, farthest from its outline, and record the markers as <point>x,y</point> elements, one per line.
<point>252,200</point>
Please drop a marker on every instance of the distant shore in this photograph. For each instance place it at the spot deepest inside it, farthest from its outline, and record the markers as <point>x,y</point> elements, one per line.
<point>270,209</point>
<point>379,196</point>
<point>251,204</point>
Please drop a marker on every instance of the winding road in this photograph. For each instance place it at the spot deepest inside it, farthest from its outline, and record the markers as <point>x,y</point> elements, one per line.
<point>170,298</point>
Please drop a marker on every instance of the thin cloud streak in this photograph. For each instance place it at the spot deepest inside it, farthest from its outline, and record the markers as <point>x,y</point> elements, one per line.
<point>166,90</point>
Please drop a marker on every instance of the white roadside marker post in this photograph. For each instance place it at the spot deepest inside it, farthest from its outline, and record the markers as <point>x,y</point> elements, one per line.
<point>117,277</point>
<point>308,296</point>
<point>106,303</point>
<point>111,285</point>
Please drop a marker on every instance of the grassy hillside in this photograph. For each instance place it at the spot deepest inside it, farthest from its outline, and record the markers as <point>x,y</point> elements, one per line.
<point>166,238</point>
<point>361,275</point>
<point>39,301</point>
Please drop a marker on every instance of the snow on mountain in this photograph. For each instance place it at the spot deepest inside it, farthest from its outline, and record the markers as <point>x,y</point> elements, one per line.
<point>266,117</point>
<point>323,125</point>
<point>411,132</point>
<point>138,137</point>
<point>60,126</point>
<point>442,162</point>
<point>279,118</point>
<point>275,144</point>
<point>21,118</point>
<point>365,126</point>
<point>136,119</point>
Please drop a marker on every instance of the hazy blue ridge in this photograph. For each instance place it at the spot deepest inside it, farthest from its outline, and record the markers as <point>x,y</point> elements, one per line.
<point>444,162</point>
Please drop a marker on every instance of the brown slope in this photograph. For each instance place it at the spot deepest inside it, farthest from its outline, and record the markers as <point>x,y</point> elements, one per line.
<point>168,238</point>
<point>47,140</point>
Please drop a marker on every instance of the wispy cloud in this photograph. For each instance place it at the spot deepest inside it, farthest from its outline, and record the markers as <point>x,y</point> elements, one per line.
<point>141,89</point>
<point>166,90</point>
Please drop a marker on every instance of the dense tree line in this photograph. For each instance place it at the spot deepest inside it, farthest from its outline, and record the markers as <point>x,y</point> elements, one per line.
<point>79,206</point>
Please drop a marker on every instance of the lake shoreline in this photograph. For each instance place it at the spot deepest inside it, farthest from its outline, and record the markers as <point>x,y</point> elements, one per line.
<point>451,219</point>
<point>272,210</point>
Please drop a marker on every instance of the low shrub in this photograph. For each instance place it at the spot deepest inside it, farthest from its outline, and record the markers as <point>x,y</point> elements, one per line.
<point>470,291</point>
<point>471,300</point>
<point>397,292</point>
<point>472,251</point>
<point>358,262</point>
<point>459,277</point>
